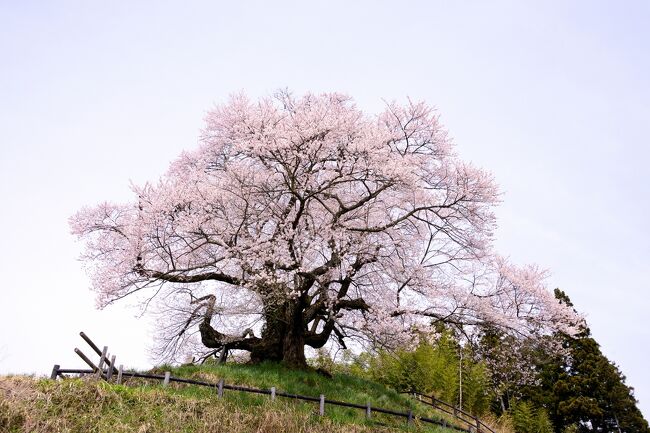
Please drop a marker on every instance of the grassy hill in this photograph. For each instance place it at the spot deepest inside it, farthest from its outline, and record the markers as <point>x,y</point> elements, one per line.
<point>82,405</point>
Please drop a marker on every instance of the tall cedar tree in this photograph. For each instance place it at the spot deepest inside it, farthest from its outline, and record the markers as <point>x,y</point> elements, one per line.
<point>585,389</point>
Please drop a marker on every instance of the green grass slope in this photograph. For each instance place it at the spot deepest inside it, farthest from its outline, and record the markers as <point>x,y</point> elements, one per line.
<point>85,405</point>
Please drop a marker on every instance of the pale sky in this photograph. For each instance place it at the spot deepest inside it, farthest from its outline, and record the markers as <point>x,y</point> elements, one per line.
<point>553,97</point>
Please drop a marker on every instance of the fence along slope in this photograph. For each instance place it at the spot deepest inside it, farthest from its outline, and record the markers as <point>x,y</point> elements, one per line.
<point>106,369</point>
<point>459,414</point>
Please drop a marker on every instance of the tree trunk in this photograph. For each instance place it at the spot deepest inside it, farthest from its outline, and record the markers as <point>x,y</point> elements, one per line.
<point>282,336</point>
<point>293,345</point>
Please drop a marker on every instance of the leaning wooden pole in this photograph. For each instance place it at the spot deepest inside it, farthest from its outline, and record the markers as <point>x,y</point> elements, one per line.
<point>87,361</point>
<point>94,347</point>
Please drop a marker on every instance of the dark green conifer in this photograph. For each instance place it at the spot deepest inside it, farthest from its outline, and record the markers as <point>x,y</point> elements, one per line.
<point>582,389</point>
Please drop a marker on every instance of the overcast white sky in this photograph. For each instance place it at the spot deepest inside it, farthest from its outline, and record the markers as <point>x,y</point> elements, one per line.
<point>552,97</point>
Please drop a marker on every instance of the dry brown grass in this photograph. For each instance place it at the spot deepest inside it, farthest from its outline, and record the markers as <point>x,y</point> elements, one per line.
<point>502,424</point>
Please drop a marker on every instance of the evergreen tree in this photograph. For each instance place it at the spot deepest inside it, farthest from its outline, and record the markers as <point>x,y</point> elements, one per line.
<point>582,388</point>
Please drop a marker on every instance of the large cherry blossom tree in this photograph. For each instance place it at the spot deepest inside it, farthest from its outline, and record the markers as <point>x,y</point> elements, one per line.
<point>300,221</point>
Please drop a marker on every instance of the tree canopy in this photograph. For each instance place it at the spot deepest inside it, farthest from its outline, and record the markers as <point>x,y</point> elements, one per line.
<point>300,220</point>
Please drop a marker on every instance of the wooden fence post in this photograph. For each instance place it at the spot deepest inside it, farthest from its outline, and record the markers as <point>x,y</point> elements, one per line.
<point>321,406</point>
<point>273,393</point>
<point>111,366</point>
<point>368,410</point>
<point>166,379</point>
<point>100,367</point>
<point>119,374</point>
<point>55,371</point>
<point>220,388</point>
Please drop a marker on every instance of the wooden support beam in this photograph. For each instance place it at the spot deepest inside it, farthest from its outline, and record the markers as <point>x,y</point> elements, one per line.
<point>92,345</point>
<point>87,361</point>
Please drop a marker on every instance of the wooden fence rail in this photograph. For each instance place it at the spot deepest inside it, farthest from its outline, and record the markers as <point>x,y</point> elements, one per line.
<point>456,412</point>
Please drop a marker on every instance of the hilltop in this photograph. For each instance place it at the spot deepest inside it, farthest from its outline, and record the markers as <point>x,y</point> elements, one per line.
<point>29,404</point>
